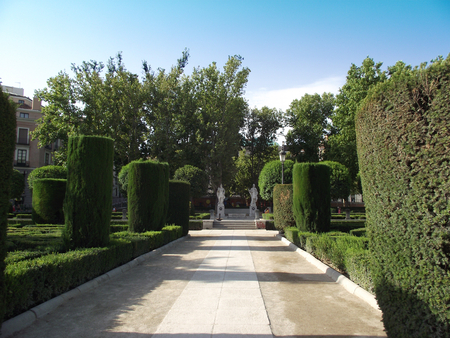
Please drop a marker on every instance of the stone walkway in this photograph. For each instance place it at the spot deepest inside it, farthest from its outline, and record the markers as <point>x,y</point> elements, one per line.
<point>230,283</point>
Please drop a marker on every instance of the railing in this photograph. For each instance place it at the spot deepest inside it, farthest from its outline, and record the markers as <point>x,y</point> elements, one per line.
<point>23,141</point>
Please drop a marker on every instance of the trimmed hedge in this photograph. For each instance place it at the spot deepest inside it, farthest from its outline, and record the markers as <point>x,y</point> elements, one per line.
<point>282,206</point>
<point>340,180</point>
<point>148,195</point>
<point>179,197</point>
<point>47,201</point>
<point>311,197</point>
<point>346,226</point>
<point>88,202</point>
<point>404,155</point>
<point>271,175</point>
<point>48,171</point>
<point>7,145</point>
<point>33,281</point>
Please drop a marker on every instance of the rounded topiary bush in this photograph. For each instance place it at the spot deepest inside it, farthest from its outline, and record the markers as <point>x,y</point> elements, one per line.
<point>404,156</point>
<point>148,195</point>
<point>178,213</point>
<point>47,201</point>
<point>271,175</point>
<point>282,206</point>
<point>340,180</point>
<point>88,202</point>
<point>48,171</point>
<point>311,197</point>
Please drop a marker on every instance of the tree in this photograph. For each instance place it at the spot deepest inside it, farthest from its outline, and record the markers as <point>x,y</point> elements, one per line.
<point>258,138</point>
<point>341,145</point>
<point>17,184</point>
<point>91,104</point>
<point>308,118</point>
<point>221,115</point>
<point>271,175</point>
<point>340,180</point>
<point>195,176</point>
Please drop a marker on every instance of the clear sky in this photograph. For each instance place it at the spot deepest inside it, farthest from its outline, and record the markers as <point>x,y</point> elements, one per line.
<point>291,47</point>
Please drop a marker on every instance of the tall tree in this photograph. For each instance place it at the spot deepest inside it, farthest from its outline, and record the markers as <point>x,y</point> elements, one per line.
<point>222,109</point>
<point>341,145</point>
<point>308,118</point>
<point>258,137</point>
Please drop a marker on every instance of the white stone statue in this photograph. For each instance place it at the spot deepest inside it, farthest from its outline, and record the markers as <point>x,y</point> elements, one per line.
<point>254,194</point>
<point>220,205</point>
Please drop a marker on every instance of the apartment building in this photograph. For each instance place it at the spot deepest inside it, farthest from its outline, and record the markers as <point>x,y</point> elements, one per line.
<point>27,155</point>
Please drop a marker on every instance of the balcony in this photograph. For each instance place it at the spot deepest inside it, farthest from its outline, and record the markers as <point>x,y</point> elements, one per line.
<point>21,164</point>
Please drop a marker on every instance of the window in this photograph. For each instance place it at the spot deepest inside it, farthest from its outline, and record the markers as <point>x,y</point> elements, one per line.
<point>21,157</point>
<point>24,115</point>
<point>47,159</point>
<point>21,101</point>
<point>23,136</point>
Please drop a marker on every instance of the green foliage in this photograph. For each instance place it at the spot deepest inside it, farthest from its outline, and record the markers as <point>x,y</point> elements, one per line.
<point>271,175</point>
<point>311,196</point>
<point>48,171</point>
<point>17,184</point>
<point>308,118</point>
<point>292,235</point>
<point>403,137</point>
<point>195,224</point>
<point>47,202</point>
<point>195,176</point>
<point>88,202</point>
<point>148,195</point>
<point>341,145</point>
<point>360,232</point>
<point>340,180</point>
<point>178,212</point>
<point>346,226</point>
<point>282,206</point>
<point>7,144</point>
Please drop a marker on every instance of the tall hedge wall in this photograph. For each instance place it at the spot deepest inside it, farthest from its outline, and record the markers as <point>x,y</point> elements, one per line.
<point>311,197</point>
<point>403,135</point>
<point>47,201</point>
<point>88,202</point>
<point>7,144</point>
<point>148,195</point>
<point>178,214</point>
<point>282,206</point>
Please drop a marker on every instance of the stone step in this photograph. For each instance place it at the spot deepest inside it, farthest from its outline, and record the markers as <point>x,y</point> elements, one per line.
<point>238,224</point>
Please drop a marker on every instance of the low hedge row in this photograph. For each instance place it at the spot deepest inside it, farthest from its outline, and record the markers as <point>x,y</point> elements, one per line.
<point>267,216</point>
<point>195,224</point>
<point>346,226</point>
<point>33,281</point>
<point>346,253</point>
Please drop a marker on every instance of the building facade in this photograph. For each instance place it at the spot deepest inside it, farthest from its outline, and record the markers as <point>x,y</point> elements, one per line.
<point>27,155</point>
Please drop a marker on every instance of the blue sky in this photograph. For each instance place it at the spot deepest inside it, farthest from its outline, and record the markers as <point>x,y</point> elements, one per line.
<point>291,47</point>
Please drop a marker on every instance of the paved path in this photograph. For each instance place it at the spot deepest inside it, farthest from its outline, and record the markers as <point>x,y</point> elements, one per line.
<point>216,283</point>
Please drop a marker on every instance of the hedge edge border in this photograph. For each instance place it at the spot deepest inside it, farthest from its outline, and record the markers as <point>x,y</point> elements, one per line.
<point>340,279</point>
<point>27,318</point>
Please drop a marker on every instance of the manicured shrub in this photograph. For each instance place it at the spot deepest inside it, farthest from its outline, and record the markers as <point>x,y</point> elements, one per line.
<point>291,235</point>
<point>271,175</point>
<point>311,197</point>
<point>172,232</point>
<point>148,195</point>
<point>47,201</point>
<point>282,206</point>
<point>88,202</point>
<point>195,176</point>
<point>346,226</point>
<point>404,155</point>
<point>48,171</point>
<point>179,196</point>
<point>7,144</point>
<point>340,180</point>
<point>360,232</point>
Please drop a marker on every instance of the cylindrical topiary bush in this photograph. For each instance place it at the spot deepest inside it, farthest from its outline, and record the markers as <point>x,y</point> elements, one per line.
<point>88,202</point>
<point>403,135</point>
<point>282,206</point>
<point>7,144</point>
<point>48,171</point>
<point>178,214</point>
<point>311,197</point>
<point>47,201</point>
<point>148,195</point>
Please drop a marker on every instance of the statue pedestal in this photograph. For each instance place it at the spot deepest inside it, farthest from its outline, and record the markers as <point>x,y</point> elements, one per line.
<point>252,210</point>
<point>221,211</point>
